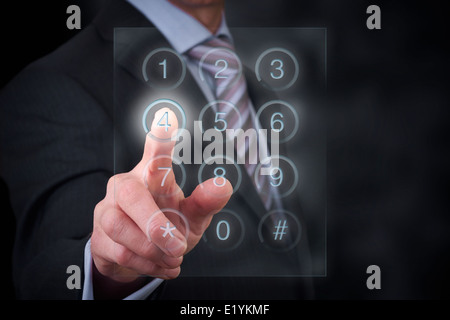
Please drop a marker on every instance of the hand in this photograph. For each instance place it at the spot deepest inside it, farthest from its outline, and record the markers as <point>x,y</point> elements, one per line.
<point>127,239</point>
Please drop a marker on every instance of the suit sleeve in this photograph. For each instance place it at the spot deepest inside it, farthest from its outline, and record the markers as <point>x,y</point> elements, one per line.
<point>56,155</point>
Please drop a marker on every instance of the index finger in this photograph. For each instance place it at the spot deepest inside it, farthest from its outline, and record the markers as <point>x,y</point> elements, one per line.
<point>161,138</point>
<point>156,163</point>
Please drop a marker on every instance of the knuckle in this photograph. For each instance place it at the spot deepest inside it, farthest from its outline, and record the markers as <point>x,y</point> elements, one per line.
<point>94,241</point>
<point>153,270</point>
<point>126,190</point>
<point>111,183</point>
<point>99,207</point>
<point>152,169</point>
<point>107,224</point>
<point>123,256</point>
<point>173,273</point>
<point>99,212</point>
<point>200,205</point>
<point>113,225</point>
<point>153,229</point>
<point>103,266</point>
<point>171,262</point>
<point>146,250</point>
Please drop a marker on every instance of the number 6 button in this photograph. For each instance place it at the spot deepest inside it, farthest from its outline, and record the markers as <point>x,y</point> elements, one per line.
<point>279,116</point>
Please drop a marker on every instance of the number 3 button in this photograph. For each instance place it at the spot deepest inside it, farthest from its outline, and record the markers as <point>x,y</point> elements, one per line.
<point>277,69</point>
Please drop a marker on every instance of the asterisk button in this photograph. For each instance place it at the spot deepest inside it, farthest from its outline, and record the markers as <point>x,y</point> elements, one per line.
<point>168,230</point>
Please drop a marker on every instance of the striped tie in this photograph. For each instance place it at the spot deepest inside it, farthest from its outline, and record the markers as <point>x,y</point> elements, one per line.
<point>217,60</point>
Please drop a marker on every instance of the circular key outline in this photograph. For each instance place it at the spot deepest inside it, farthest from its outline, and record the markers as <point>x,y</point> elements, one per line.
<point>174,160</point>
<point>183,68</point>
<point>217,102</point>
<point>172,210</point>
<point>280,212</point>
<point>241,237</point>
<point>156,102</point>
<point>290,162</point>
<point>290,107</point>
<point>201,62</point>
<point>296,66</point>
<point>210,159</point>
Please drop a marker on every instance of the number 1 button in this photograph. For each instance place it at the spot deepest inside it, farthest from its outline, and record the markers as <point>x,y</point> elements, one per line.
<point>163,68</point>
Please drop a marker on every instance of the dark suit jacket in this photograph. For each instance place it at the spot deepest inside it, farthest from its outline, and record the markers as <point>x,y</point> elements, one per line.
<point>59,146</point>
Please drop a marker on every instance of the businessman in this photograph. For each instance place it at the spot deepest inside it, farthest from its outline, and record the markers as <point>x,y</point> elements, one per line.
<point>77,202</point>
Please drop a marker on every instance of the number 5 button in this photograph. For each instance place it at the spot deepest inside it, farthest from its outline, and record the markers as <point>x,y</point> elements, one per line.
<point>214,115</point>
<point>277,69</point>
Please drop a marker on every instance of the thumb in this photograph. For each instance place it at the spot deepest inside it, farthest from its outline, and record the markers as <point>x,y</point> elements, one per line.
<point>205,201</point>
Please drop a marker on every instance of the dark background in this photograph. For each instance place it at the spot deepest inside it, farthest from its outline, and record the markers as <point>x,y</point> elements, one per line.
<point>388,161</point>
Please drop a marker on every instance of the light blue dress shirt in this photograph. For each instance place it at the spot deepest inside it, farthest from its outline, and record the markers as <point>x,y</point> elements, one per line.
<point>183,32</point>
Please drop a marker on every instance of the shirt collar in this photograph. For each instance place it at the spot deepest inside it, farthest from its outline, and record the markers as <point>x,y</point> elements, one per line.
<point>181,30</point>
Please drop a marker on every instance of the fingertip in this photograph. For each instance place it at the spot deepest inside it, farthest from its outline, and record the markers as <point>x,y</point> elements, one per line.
<point>172,262</point>
<point>173,273</point>
<point>222,189</point>
<point>161,139</point>
<point>164,124</point>
<point>176,247</point>
<point>210,197</point>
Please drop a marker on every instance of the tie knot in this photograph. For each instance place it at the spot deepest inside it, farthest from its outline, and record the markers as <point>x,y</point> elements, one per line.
<point>218,61</point>
<point>220,42</point>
